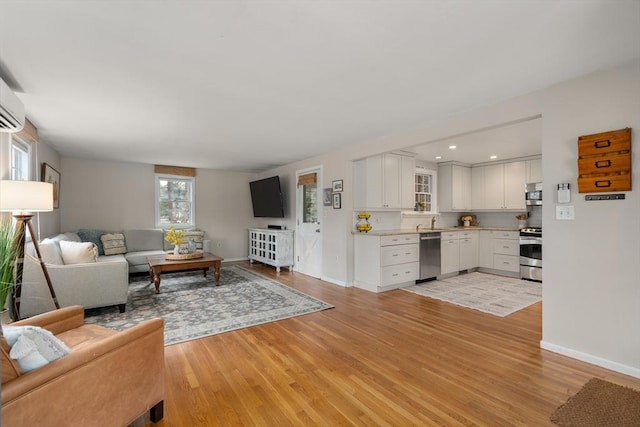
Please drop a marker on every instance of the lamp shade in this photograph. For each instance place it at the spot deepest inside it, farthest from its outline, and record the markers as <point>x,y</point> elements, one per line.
<point>26,196</point>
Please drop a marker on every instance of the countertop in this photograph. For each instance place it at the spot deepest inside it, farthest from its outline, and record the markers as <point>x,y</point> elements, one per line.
<point>375,232</point>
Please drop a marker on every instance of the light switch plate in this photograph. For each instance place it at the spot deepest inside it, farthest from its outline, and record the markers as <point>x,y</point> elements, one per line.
<point>565,212</point>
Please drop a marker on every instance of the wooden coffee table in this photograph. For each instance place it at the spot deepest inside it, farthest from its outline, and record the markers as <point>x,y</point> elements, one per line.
<point>159,264</point>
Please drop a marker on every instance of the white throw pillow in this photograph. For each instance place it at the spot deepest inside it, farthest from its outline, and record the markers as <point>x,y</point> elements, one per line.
<point>33,347</point>
<point>78,252</point>
<point>50,252</point>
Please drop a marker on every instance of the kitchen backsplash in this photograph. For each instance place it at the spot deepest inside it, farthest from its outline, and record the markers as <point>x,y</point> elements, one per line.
<point>394,220</point>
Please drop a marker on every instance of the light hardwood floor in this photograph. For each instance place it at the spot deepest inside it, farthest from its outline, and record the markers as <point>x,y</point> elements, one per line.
<point>390,359</point>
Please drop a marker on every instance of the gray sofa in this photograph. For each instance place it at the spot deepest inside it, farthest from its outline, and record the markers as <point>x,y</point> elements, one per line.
<point>102,283</point>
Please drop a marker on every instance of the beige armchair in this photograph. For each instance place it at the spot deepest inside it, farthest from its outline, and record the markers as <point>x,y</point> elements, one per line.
<point>109,378</point>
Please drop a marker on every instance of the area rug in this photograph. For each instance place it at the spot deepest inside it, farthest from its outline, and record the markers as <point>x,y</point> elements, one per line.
<point>600,403</point>
<point>489,293</point>
<point>193,307</point>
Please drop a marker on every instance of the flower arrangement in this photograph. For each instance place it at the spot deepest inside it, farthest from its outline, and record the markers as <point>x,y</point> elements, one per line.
<point>175,237</point>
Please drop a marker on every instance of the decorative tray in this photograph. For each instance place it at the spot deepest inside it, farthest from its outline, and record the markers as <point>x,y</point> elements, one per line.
<point>192,255</point>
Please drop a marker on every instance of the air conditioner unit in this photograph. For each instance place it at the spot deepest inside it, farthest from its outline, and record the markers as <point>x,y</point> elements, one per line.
<point>11,110</point>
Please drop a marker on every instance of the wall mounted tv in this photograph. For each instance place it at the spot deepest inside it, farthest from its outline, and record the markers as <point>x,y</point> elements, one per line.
<point>266,197</point>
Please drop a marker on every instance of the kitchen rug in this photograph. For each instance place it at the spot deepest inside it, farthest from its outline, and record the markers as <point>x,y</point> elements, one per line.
<point>489,293</point>
<point>600,403</point>
<point>193,307</point>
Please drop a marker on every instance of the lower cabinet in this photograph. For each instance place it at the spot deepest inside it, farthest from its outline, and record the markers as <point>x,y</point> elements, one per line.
<point>272,247</point>
<point>386,262</point>
<point>468,249</point>
<point>449,252</point>
<point>500,251</point>
<point>458,251</point>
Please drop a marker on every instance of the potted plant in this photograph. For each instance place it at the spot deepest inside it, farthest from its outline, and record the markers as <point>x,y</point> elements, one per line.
<point>8,253</point>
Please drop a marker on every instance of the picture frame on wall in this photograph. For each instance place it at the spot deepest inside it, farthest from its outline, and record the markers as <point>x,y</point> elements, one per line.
<point>326,197</point>
<point>52,176</point>
<point>337,200</point>
<point>336,186</point>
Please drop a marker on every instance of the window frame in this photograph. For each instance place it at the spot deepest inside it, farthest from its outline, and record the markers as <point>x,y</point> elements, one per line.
<point>192,218</point>
<point>17,144</point>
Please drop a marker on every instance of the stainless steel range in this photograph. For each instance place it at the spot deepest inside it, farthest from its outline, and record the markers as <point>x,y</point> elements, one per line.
<point>531,253</point>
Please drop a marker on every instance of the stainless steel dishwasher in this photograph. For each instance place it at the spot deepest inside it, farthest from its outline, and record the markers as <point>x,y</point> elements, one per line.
<point>429,256</point>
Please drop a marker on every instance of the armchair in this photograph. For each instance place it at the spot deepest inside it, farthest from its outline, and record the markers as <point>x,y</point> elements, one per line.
<point>109,378</point>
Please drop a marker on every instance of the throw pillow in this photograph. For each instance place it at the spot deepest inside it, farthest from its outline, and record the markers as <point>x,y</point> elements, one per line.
<point>92,236</point>
<point>50,252</point>
<point>113,244</point>
<point>78,252</point>
<point>33,347</point>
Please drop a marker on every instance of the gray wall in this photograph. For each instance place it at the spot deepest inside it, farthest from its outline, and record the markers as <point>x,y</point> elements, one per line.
<point>591,287</point>
<point>117,196</point>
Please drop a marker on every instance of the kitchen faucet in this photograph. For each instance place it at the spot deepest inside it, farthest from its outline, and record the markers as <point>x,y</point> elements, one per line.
<point>418,228</point>
<point>433,222</point>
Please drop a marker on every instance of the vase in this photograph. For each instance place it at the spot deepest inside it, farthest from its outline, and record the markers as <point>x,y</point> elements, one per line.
<point>5,316</point>
<point>176,249</point>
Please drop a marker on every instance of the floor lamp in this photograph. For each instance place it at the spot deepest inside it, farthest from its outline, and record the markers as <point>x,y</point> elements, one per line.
<point>24,198</point>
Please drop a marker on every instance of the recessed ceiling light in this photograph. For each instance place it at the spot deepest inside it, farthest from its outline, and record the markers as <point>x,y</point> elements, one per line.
<point>452,147</point>
<point>438,157</point>
<point>493,157</point>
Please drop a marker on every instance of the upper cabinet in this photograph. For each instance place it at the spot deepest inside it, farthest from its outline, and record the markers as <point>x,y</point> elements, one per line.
<point>385,181</point>
<point>454,187</point>
<point>499,186</point>
<point>534,170</point>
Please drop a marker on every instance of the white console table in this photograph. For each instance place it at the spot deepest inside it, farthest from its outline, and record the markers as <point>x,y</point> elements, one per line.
<point>272,247</point>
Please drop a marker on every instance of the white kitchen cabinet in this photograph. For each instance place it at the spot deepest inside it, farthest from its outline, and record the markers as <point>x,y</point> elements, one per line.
<point>454,187</point>
<point>478,200</point>
<point>449,253</point>
<point>272,247</point>
<point>407,182</point>
<point>499,186</point>
<point>500,251</point>
<point>386,262</point>
<point>458,251</point>
<point>384,181</point>
<point>469,249</point>
<point>485,249</point>
<point>534,170</point>
<point>494,186</point>
<point>515,180</point>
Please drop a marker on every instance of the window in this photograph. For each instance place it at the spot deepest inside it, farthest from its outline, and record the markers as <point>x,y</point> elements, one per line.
<point>310,200</point>
<point>20,160</point>
<point>175,201</point>
<point>425,190</point>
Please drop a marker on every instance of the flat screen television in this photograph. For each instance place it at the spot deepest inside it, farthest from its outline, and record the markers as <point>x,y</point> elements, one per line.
<point>266,198</point>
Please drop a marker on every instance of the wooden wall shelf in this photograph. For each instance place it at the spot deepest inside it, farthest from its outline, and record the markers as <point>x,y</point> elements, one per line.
<point>604,161</point>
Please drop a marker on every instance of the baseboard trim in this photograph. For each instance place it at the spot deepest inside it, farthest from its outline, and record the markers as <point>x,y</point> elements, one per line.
<point>235,259</point>
<point>334,281</point>
<point>589,358</point>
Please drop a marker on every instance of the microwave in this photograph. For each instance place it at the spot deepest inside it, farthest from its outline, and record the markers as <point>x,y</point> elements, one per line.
<point>533,194</point>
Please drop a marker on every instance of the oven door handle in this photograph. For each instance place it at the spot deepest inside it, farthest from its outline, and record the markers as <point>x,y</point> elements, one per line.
<point>526,240</point>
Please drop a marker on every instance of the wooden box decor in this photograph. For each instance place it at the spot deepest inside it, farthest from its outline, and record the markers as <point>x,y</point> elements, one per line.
<point>604,161</point>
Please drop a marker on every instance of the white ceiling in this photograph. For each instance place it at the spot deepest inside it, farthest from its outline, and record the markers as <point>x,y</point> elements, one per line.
<point>249,85</point>
<point>508,141</point>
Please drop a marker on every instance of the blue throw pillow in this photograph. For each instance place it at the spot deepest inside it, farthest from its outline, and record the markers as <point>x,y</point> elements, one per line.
<point>92,236</point>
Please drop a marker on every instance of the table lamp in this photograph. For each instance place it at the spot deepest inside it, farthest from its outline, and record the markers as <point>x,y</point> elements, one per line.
<point>24,198</point>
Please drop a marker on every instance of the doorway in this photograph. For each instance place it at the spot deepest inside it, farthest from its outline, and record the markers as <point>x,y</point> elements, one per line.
<point>308,230</point>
